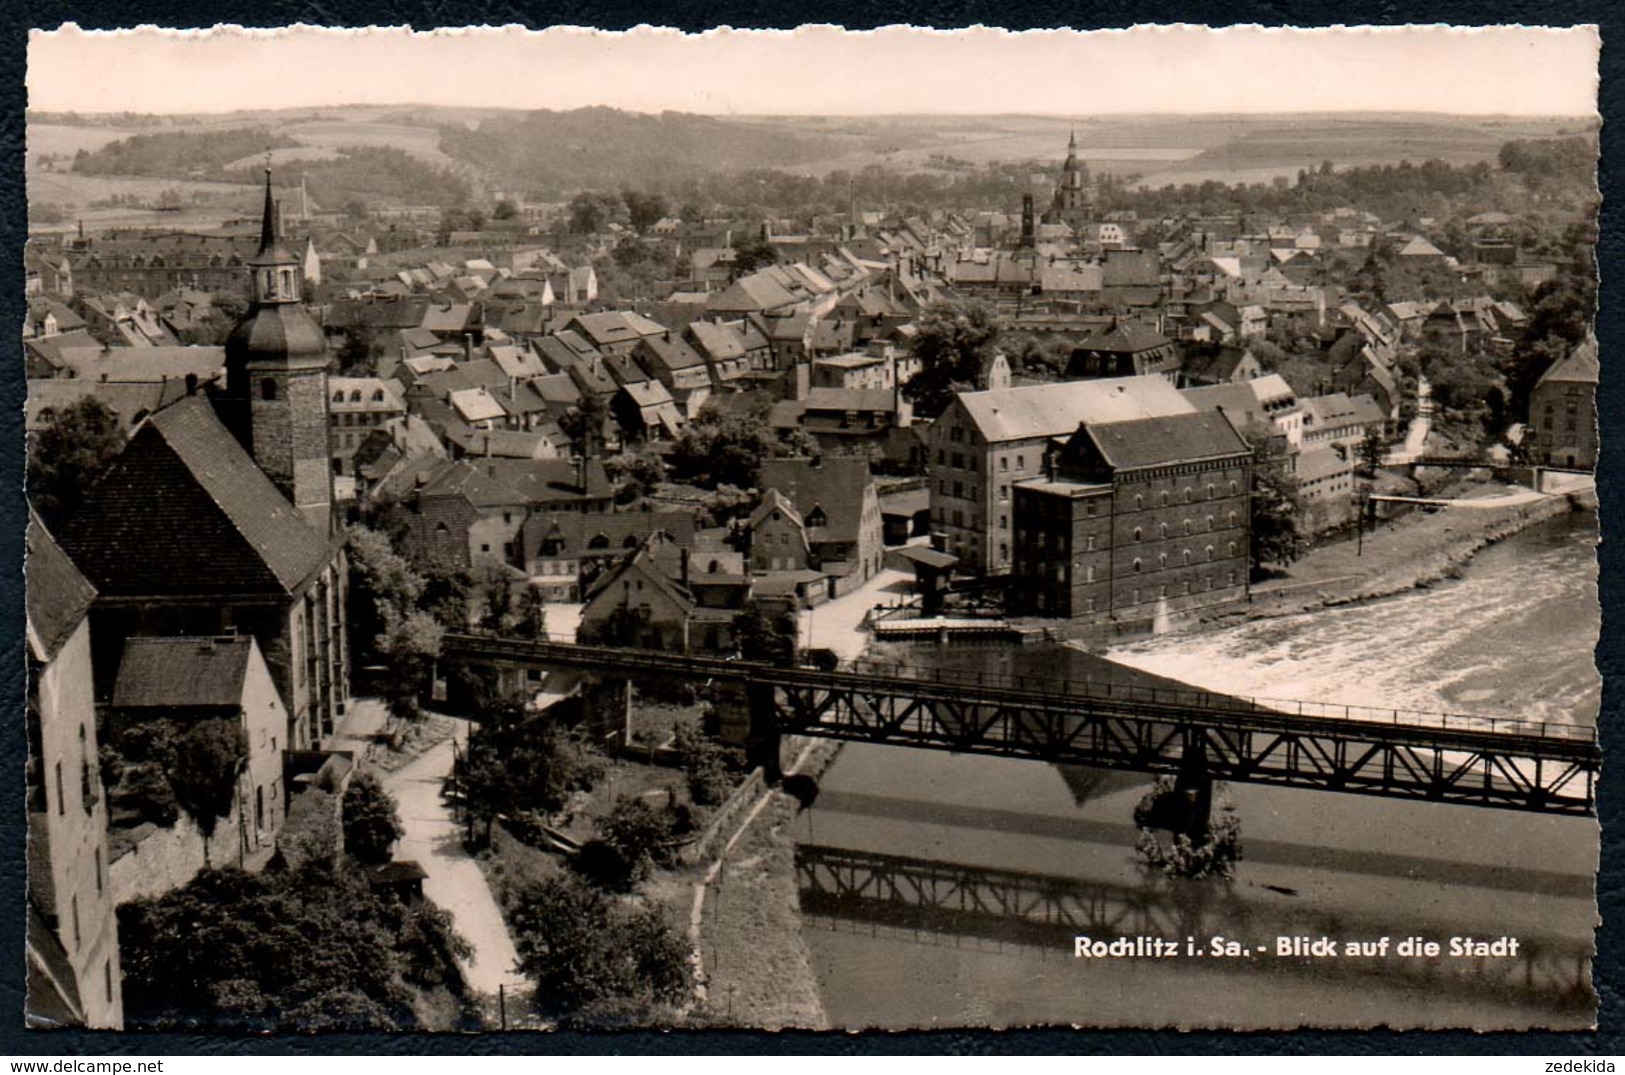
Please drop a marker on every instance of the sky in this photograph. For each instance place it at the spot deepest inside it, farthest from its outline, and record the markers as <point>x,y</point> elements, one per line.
<point>826,71</point>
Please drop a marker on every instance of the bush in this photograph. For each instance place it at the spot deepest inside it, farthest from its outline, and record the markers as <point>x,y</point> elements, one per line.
<point>1212,854</point>
<point>632,837</point>
<point>711,774</point>
<point>372,822</point>
<point>596,961</point>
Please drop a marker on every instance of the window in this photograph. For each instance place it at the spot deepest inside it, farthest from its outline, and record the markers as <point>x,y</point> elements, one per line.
<point>1139,504</point>
<point>1210,490</point>
<point>1136,571</point>
<point>98,853</point>
<point>1231,550</point>
<point>61,798</point>
<point>1090,546</point>
<point>1162,561</point>
<point>1021,462</point>
<point>1136,533</point>
<point>1187,494</point>
<point>355,395</point>
<point>1210,552</point>
<point>268,389</point>
<point>1162,498</point>
<point>959,490</point>
<point>942,457</point>
<point>1162,531</point>
<point>1004,462</point>
<point>1210,522</point>
<point>1089,573</point>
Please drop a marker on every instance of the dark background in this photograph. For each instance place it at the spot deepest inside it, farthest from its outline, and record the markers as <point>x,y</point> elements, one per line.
<point>15,22</point>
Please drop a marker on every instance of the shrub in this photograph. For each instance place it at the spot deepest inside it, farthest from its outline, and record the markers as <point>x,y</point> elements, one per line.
<point>1213,853</point>
<point>372,822</point>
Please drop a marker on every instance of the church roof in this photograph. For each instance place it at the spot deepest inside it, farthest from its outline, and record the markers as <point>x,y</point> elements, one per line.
<point>58,595</point>
<point>184,510</point>
<point>277,332</point>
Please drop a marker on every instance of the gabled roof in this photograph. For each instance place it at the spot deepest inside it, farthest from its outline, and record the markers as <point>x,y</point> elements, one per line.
<point>184,510</point>
<point>718,342</point>
<point>1580,367</point>
<point>182,673</point>
<point>59,597</point>
<point>615,326</point>
<point>1125,336</point>
<point>1175,438</point>
<point>1050,410</point>
<point>836,484</point>
<point>1419,247</point>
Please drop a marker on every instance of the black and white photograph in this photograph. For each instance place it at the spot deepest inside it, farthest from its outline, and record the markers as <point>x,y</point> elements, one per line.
<point>564,529</point>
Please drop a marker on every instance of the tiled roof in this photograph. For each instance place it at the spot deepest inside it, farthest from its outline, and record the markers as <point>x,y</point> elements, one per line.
<point>1048,410</point>
<point>835,483</point>
<point>58,595</point>
<point>184,510</point>
<point>1175,438</point>
<point>182,673</point>
<point>1580,367</point>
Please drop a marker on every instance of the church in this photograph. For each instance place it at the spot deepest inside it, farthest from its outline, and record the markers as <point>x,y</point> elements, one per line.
<point>218,517</point>
<point>1073,204</point>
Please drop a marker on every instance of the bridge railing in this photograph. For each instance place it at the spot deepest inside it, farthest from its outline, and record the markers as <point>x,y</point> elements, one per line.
<point>1037,687</point>
<point>1214,701</point>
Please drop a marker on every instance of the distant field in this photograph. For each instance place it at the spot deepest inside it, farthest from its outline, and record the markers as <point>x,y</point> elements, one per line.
<point>73,191</point>
<point>420,142</point>
<point>58,140</point>
<point>285,155</point>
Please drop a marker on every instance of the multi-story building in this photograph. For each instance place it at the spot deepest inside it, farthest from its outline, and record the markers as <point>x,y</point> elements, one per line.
<point>984,442</point>
<point>1563,411</point>
<point>357,406</point>
<point>72,936</point>
<point>1135,520</point>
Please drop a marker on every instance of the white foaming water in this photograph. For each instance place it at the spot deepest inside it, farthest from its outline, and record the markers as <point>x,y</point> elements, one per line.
<point>1513,637</point>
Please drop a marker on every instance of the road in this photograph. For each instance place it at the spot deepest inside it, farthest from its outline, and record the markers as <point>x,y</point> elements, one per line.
<point>838,625</point>
<point>454,881</point>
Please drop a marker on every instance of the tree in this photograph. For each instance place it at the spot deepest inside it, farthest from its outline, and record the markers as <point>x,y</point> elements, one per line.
<point>596,961</point>
<point>753,254</point>
<point>498,594</point>
<point>635,474</point>
<point>1276,537</point>
<point>707,763</point>
<point>644,209</point>
<point>591,212</point>
<point>584,423</point>
<point>372,821</point>
<point>280,950</point>
<point>631,838</point>
<point>721,448</point>
<point>358,355</point>
<point>1373,446</point>
<point>767,634</point>
<point>504,210</point>
<point>517,763</point>
<point>77,445</point>
<point>953,341</point>
<point>532,614</point>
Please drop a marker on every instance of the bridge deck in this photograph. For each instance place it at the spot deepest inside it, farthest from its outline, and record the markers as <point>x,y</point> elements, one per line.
<point>1443,757</point>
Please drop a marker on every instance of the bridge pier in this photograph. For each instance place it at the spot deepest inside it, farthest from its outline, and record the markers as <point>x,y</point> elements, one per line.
<point>764,742</point>
<point>1194,786</point>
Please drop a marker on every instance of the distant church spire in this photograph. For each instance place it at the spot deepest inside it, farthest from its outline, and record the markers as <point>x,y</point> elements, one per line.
<point>268,234</point>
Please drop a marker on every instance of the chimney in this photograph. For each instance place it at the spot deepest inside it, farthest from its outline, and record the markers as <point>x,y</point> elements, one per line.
<point>581,473</point>
<point>468,347</point>
<point>682,566</point>
<point>488,446</point>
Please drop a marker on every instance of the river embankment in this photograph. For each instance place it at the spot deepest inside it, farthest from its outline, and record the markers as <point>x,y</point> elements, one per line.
<point>1413,552</point>
<point>753,965</point>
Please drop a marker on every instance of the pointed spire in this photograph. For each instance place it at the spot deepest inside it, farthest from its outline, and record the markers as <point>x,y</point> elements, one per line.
<point>1072,143</point>
<point>268,223</point>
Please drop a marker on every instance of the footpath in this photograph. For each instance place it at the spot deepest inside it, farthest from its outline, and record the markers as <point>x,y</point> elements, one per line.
<point>455,881</point>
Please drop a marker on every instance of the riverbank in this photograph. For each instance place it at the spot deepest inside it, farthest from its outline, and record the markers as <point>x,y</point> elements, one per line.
<point>755,968</point>
<point>1408,554</point>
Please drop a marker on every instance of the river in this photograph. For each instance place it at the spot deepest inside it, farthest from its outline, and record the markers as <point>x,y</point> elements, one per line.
<point>995,841</point>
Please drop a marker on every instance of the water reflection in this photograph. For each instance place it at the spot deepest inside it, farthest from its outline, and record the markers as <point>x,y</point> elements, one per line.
<point>929,902</point>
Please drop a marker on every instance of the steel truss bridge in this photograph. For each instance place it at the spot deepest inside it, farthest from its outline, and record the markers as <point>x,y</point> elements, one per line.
<point>941,903</point>
<point>1452,758</point>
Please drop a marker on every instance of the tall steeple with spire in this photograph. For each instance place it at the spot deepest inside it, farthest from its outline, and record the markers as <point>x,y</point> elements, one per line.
<point>1072,202</point>
<point>275,401</point>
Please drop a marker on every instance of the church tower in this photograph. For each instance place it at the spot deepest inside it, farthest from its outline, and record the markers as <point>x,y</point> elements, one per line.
<point>1072,194</point>
<point>275,401</point>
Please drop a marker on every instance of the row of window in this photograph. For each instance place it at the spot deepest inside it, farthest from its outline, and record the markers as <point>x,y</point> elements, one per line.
<point>354,395</point>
